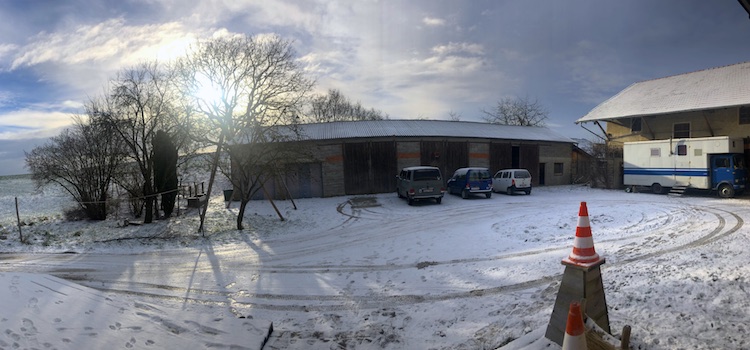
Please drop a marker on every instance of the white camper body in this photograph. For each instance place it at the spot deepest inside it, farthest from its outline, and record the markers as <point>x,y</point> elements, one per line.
<point>684,162</point>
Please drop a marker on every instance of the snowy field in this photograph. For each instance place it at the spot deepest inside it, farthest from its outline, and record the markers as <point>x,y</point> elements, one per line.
<point>371,272</point>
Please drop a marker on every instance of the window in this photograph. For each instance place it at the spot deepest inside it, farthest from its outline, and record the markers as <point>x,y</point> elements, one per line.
<point>681,150</point>
<point>425,175</point>
<point>681,131</point>
<point>558,168</point>
<point>656,152</point>
<point>745,115</point>
<point>722,163</point>
<point>635,125</point>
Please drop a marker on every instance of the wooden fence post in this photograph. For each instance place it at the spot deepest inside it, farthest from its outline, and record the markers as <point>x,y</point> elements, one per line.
<point>18,218</point>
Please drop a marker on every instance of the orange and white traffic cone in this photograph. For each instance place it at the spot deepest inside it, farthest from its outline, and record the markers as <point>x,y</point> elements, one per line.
<point>575,332</point>
<point>583,253</point>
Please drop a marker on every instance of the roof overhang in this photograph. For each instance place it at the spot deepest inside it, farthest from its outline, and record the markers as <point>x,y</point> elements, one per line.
<point>745,4</point>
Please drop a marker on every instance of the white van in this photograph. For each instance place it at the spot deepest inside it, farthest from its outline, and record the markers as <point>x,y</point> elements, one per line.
<point>511,181</point>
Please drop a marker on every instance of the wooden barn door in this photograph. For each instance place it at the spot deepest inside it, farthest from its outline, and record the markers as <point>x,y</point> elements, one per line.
<point>370,167</point>
<point>304,181</point>
<point>500,156</point>
<point>456,156</point>
<point>383,164</point>
<point>448,156</point>
<point>356,168</point>
<point>529,159</point>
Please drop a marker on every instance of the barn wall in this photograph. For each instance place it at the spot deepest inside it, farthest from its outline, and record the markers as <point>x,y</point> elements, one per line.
<point>332,157</point>
<point>555,152</point>
<point>407,154</point>
<point>363,166</point>
<point>479,154</point>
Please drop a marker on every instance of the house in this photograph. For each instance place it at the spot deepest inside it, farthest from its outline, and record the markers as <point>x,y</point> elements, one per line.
<point>362,157</point>
<point>706,103</point>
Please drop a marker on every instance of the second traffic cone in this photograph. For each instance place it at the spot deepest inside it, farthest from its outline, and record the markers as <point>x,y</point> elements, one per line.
<point>575,331</point>
<point>583,253</point>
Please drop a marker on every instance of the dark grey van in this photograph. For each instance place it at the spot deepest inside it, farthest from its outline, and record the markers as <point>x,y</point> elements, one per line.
<point>420,182</point>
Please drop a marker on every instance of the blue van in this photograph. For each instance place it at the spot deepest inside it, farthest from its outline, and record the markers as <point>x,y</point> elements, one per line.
<point>466,181</point>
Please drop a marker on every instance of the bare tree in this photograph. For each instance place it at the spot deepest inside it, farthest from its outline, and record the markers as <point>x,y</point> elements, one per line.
<point>517,111</point>
<point>455,117</point>
<point>141,101</point>
<point>250,90</point>
<point>335,107</point>
<point>83,160</point>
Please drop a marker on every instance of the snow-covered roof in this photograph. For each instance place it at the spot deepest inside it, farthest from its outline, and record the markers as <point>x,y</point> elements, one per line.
<point>719,87</point>
<point>426,128</point>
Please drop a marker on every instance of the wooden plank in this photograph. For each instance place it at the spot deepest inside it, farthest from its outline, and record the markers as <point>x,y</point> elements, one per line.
<point>456,156</point>
<point>500,156</point>
<point>529,159</point>
<point>383,161</point>
<point>356,168</point>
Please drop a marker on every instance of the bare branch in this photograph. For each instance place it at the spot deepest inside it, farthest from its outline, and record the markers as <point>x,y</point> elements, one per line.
<point>517,111</point>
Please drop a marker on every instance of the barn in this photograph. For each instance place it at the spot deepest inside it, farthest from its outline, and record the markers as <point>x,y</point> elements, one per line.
<point>363,157</point>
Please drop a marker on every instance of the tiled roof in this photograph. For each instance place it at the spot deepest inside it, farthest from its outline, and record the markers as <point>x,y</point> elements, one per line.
<point>426,128</point>
<point>719,87</point>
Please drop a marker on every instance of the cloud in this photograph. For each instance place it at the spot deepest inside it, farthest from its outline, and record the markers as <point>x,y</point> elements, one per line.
<point>433,22</point>
<point>109,41</point>
<point>459,48</point>
<point>29,123</point>
<point>7,49</point>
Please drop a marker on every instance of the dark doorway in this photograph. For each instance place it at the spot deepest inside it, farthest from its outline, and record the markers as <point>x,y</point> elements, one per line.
<point>541,173</point>
<point>515,156</point>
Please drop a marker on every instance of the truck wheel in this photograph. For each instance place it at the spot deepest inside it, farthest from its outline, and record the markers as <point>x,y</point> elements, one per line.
<point>438,200</point>
<point>410,200</point>
<point>656,188</point>
<point>726,191</point>
<point>464,194</point>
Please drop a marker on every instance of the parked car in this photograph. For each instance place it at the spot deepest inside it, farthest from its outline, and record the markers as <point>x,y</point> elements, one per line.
<point>511,181</point>
<point>466,181</point>
<point>420,182</point>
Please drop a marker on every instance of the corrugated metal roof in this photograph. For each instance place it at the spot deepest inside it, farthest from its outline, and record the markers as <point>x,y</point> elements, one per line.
<point>706,89</point>
<point>426,128</point>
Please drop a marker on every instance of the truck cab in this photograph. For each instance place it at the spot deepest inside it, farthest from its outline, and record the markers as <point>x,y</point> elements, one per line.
<point>728,174</point>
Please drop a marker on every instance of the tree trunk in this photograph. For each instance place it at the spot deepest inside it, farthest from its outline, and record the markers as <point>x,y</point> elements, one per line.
<point>149,198</point>
<point>149,210</point>
<point>214,166</point>
<point>241,213</point>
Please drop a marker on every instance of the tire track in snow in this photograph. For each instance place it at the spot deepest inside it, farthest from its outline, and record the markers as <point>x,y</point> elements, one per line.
<point>300,303</point>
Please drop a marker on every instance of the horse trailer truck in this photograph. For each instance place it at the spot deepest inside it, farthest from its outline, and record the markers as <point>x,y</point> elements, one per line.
<point>709,163</point>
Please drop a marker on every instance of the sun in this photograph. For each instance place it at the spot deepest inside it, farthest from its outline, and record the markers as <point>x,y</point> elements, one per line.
<point>207,91</point>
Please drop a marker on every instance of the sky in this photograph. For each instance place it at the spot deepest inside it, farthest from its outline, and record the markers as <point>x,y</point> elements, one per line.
<point>410,59</point>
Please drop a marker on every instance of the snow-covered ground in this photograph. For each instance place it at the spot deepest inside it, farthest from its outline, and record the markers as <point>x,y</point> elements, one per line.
<point>371,272</point>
